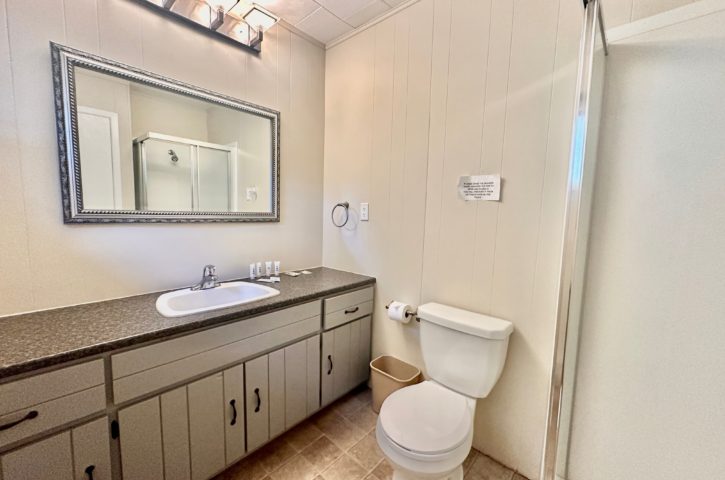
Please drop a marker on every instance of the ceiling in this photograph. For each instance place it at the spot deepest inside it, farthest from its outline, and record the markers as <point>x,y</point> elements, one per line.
<point>327,20</point>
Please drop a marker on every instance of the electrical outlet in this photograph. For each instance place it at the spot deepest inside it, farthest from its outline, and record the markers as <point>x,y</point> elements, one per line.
<point>364,212</point>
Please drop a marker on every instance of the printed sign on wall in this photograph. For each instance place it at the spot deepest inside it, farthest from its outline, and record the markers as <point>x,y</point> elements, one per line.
<point>480,187</point>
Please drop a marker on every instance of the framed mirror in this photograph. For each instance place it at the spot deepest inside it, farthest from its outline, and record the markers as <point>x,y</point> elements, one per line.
<point>138,147</point>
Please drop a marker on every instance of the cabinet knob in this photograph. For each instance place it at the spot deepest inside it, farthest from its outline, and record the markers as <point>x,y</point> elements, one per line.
<point>259,400</point>
<point>89,471</point>
<point>351,310</point>
<point>329,359</point>
<point>233,403</point>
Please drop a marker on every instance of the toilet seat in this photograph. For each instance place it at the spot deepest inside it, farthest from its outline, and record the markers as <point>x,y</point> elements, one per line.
<point>427,419</point>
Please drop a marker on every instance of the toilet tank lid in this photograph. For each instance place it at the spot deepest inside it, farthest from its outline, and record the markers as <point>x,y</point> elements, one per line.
<point>464,321</point>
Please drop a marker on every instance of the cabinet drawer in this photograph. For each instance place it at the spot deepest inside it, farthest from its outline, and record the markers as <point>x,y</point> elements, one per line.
<point>144,358</point>
<point>156,378</point>
<point>51,414</point>
<point>21,394</point>
<point>341,302</point>
<point>341,317</point>
<point>348,306</point>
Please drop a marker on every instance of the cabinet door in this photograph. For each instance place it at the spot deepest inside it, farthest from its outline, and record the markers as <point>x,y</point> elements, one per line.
<point>361,366</point>
<point>175,434</point>
<point>91,450</point>
<point>295,376</point>
<point>234,407</point>
<point>141,456</point>
<point>313,374</point>
<point>327,369</point>
<point>49,459</point>
<point>341,361</point>
<point>276,393</point>
<point>206,426</point>
<point>257,402</point>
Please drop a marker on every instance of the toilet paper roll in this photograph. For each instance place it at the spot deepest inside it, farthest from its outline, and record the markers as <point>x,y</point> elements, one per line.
<point>397,311</point>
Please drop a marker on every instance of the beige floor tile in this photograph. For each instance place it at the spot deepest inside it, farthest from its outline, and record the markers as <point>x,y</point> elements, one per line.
<point>322,453</point>
<point>338,429</point>
<point>365,396</point>
<point>384,471</point>
<point>347,404</point>
<point>345,468</point>
<point>302,436</point>
<point>485,468</point>
<point>518,476</point>
<point>468,462</point>
<point>275,454</point>
<point>366,452</point>
<point>298,468</point>
<point>249,468</point>
<point>363,418</point>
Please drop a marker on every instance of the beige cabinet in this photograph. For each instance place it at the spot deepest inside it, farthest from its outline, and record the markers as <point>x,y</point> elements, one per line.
<point>206,426</point>
<point>345,358</point>
<point>172,428</point>
<point>234,407</point>
<point>81,453</point>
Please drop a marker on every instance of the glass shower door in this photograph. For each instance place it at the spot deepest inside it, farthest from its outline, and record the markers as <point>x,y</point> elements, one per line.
<point>168,175</point>
<point>214,180</point>
<point>582,163</point>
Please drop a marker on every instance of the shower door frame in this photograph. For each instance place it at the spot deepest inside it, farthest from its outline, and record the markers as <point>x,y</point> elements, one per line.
<point>571,241</point>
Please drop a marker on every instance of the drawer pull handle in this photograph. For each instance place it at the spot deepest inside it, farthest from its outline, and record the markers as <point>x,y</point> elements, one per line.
<point>259,400</point>
<point>29,416</point>
<point>351,310</point>
<point>233,403</point>
<point>329,359</point>
<point>89,471</point>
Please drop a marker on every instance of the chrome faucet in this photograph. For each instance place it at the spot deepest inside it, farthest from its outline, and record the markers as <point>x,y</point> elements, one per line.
<point>208,279</point>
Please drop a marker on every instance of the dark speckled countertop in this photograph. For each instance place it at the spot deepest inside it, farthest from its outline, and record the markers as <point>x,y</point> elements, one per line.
<point>40,339</point>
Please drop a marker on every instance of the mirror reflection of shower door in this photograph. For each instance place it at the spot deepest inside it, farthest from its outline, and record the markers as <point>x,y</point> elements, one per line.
<point>181,174</point>
<point>214,180</point>
<point>167,175</point>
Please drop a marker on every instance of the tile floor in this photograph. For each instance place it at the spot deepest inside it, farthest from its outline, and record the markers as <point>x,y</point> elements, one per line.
<point>338,443</point>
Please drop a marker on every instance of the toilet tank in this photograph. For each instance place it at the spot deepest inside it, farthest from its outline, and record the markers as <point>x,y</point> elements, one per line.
<point>462,350</point>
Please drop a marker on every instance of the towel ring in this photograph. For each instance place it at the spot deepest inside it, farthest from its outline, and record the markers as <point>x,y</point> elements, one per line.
<point>346,206</point>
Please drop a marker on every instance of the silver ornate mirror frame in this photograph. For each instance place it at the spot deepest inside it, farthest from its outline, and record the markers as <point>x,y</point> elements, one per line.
<point>64,60</point>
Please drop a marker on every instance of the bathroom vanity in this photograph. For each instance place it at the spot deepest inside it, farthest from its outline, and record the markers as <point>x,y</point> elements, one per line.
<point>113,390</point>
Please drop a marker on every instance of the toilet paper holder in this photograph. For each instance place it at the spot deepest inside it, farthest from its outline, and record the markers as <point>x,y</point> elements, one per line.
<point>413,314</point>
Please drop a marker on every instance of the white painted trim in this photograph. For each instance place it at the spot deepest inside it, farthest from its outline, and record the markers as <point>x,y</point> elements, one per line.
<point>671,17</point>
<point>371,23</point>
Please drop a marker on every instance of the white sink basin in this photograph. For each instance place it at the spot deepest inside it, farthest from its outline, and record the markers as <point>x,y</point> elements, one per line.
<point>188,301</point>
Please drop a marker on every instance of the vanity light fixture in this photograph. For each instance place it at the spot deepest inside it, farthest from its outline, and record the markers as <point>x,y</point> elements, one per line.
<point>238,21</point>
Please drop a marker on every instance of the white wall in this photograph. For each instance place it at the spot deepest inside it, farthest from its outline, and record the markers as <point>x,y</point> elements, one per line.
<point>48,264</point>
<point>620,12</point>
<point>649,392</point>
<point>411,104</point>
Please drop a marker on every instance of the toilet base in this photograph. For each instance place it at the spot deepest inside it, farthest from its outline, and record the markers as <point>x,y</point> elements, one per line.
<point>456,474</point>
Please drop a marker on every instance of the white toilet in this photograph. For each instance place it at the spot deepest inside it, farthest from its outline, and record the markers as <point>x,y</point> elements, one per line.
<point>426,430</point>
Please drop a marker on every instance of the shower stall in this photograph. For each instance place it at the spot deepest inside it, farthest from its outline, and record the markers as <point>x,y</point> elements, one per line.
<point>180,174</point>
<point>636,383</point>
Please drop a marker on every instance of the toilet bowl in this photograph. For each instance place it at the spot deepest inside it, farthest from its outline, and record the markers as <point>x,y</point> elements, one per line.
<point>426,430</point>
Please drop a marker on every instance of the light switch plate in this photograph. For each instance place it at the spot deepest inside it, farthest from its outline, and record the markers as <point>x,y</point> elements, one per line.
<point>364,212</point>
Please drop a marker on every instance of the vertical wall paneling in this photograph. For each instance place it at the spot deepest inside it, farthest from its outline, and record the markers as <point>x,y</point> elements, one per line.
<point>450,97</point>
<point>14,236</point>
<point>73,264</point>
